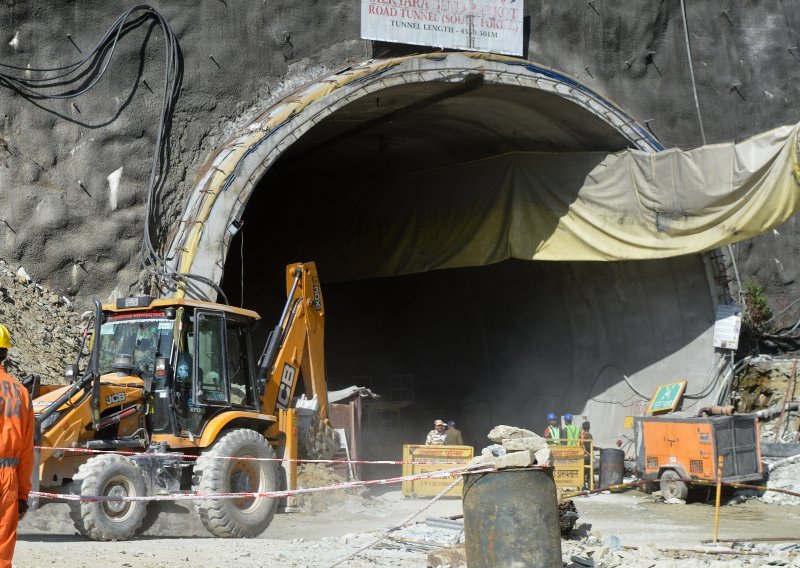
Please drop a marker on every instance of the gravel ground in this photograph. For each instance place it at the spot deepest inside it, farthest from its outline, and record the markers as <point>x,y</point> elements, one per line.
<point>321,538</point>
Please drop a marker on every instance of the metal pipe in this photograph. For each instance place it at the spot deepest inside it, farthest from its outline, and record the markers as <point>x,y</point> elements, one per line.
<point>115,418</point>
<point>720,460</point>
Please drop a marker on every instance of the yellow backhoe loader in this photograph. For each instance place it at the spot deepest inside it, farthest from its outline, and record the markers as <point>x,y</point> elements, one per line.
<point>178,377</point>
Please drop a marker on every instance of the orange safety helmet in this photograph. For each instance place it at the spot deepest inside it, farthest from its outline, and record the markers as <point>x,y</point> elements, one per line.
<point>5,337</point>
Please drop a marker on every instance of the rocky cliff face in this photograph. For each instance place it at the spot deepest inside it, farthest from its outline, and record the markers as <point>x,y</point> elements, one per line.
<point>73,173</point>
<point>45,329</point>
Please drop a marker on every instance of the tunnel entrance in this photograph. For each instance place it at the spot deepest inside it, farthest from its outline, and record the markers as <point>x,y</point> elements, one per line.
<point>436,330</point>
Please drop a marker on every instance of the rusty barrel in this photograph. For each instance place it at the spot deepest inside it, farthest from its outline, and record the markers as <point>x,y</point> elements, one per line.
<point>612,466</point>
<point>511,519</point>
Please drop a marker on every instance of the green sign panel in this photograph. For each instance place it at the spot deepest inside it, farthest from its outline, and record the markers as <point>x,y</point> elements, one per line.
<point>666,397</point>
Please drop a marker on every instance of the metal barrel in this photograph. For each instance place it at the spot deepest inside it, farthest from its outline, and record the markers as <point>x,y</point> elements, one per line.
<point>612,466</point>
<point>511,519</point>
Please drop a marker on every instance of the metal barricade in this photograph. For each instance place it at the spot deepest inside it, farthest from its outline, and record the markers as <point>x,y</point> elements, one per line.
<point>573,462</point>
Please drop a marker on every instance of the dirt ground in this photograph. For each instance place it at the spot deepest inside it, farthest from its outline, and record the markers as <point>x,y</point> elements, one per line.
<point>329,534</point>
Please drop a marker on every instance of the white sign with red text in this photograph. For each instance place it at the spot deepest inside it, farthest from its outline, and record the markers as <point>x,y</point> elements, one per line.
<point>476,25</point>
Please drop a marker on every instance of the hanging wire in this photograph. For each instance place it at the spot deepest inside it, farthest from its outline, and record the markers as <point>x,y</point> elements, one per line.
<point>691,71</point>
<point>70,81</point>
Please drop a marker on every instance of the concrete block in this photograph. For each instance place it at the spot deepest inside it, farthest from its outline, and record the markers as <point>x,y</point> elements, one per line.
<point>500,433</point>
<point>533,443</point>
<point>544,456</point>
<point>515,459</point>
<point>481,460</point>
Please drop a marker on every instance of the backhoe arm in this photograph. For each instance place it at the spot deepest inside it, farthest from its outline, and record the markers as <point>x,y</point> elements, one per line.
<point>296,343</point>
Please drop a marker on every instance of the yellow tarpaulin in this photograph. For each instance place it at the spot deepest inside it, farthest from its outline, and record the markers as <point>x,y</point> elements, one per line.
<point>563,206</point>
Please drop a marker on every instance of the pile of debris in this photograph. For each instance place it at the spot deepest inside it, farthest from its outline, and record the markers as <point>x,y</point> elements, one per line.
<point>767,386</point>
<point>45,329</point>
<point>610,553</point>
<point>319,475</point>
<point>593,552</point>
<point>514,447</point>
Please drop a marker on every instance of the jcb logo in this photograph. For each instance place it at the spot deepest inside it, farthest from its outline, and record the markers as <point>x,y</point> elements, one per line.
<point>316,302</point>
<point>285,388</point>
<point>115,398</point>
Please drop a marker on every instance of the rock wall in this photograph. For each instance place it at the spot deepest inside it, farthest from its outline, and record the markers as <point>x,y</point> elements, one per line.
<point>73,176</point>
<point>45,329</point>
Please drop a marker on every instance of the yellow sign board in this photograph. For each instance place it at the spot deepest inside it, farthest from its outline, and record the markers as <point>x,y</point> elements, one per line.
<point>568,464</point>
<point>432,458</point>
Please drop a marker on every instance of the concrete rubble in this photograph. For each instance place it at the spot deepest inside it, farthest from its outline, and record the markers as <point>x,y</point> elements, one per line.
<point>514,447</point>
<point>592,551</point>
<point>595,552</point>
<point>45,328</point>
<point>785,477</point>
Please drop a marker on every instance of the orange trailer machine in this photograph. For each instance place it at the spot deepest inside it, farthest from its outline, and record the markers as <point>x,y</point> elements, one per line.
<point>670,448</point>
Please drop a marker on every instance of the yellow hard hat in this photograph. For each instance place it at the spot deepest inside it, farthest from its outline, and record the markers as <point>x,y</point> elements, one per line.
<point>5,337</point>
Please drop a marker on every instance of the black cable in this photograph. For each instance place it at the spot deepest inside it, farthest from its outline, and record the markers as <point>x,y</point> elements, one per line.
<point>75,79</point>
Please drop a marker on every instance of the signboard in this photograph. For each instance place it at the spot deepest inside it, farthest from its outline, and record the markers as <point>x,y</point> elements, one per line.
<point>568,464</point>
<point>727,326</point>
<point>437,458</point>
<point>666,397</point>
<point>476,25</point>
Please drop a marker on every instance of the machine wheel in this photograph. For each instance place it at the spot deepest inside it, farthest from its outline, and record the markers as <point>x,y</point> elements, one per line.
<point>109,475</point>
<point>320,441</point>
<point>672,486</point>
<point>238,518</point>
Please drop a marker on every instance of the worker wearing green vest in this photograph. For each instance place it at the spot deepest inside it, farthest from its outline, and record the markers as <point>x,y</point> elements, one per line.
<point>572,432</point>
<point>553,432</point>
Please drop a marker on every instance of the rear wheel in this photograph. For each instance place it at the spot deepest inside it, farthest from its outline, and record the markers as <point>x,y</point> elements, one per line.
<point>240,518</point>
<point>109,475</point>
<point>672,487</point>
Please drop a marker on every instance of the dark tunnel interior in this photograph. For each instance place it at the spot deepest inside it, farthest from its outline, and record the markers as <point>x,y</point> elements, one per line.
<point>481,345</point>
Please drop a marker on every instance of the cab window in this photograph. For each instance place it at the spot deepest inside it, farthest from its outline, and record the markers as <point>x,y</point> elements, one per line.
<point>209,359</point>
<point>239,363</point>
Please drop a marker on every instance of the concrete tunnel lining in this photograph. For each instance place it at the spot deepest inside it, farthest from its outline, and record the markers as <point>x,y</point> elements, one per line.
<point>239,169</point>
<point>228,179</point>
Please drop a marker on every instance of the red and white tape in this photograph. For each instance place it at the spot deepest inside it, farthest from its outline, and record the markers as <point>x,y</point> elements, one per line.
<point>267,494</point>
<point>242,458</point>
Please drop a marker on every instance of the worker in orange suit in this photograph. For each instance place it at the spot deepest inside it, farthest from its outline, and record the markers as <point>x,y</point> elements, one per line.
<point>16,454</point>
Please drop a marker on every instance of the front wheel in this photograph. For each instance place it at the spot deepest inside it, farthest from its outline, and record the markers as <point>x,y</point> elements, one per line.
<point>109,475</point>
<point>672,487</point>
<point>246,517</point>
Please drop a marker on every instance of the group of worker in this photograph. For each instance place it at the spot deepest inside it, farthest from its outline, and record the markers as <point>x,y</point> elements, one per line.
<point>570,434</point>
<point>16,453</point>
<point>444,434</point>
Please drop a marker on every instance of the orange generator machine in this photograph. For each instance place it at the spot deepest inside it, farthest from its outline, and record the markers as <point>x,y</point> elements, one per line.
<point>670,449</point>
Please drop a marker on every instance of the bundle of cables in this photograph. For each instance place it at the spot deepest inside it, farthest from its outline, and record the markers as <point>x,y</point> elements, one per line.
<point>71,81</point>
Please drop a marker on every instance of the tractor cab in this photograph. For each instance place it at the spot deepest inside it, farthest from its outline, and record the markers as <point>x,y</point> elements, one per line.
<point>194,358</point>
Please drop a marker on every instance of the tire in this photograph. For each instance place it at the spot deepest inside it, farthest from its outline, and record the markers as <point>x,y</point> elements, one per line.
<point>672,487</point>
<point>108,475</point>
<point>236,518</point>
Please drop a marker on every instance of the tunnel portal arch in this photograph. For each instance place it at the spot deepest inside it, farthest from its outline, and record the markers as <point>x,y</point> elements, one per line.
<point>228,179</point>
<point>299,173</point>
